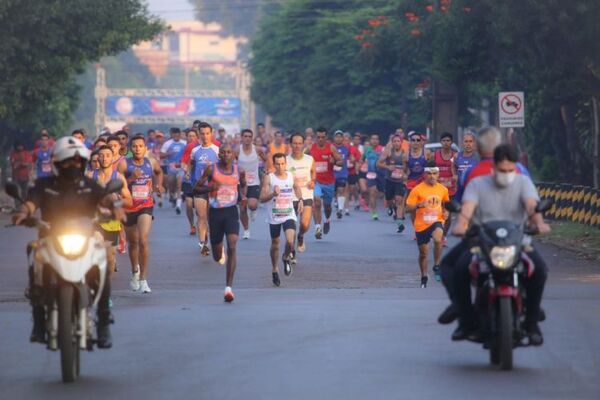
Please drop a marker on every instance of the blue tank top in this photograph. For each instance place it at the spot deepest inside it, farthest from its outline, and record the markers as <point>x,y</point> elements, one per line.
<point>43,163</point>
<point>463,164</point>
<point>371,156</point>
<point>416,166</point>
<point>202,158</point>
<point>342,172</point>
<point>141,188</point>
<point>97,171</point>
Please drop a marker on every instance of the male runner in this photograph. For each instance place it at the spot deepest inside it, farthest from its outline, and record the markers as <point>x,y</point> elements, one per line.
<point>277,146</point>
<point>352,163</point>
<point>142,174</point>
<point>341,173</point>
<point>123,136</point>
<point>42,156</point>
<point>302,167</point>
<point>188,178</point>
<point>426,201</point>
<point>326,156</point>
<point>249,157</point>
<point>374,185</point>
<point>444,159</point>
<point>392,161</point>
<point>203,155</point>
<point>225,182</point>
<point>279,189</point>
<point>172,150</point>
<point>415,161</point>
<point>465,160</point>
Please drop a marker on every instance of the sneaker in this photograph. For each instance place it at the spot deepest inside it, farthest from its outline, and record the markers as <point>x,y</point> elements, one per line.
<point>437,271</point>
<point>347,212</point>
<point>535,334</point>
<point>252,215</point>
<point>223,258</point>
<point>293,258</point>
<point>204,250</point>
<point>287,266</point>
<point>326,227</point>
<point>144,288</point>
<point>444,242</point>
<point>375,216</point>
<point>159,200</point>
<point>177,210</point>
<point>192,231</point>
<point>246,234</point>
<point>276,280</point>
<point>400,228</point>
<point>301,246</point>
<point>134,282</point>
<point>339,214</point>
<point>390,211</point>
<point>424,280</point>
<point>110,302</point>
<point>318,233</point>
<point>228,296</point>
<point>357,207</point>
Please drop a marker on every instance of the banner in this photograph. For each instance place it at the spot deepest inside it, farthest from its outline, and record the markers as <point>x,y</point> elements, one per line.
<point>123,106</point>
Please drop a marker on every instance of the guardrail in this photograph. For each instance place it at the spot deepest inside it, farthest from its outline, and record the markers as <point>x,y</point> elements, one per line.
<point>572,202</point>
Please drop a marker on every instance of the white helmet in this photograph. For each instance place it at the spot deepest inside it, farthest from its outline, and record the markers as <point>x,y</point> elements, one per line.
<point>69,147</point>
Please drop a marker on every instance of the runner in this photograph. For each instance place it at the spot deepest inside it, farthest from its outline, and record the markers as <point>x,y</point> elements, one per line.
<point>42,156</point>
<point>354,159</point>
<point>415,162</point>
<point>115,145</point>
<point>21,163</point>
<point>203,155</point>
<point>465,160</point>
<point>110,229</point>
<point>426,201</point>
<point>249,157</point>
<point>172,151</point>
<point>141,173</point>
<point>278,146</point>
<point>123,136</point>
<point>94,163</point>
<point>188,178</point>
<point>159,140</point>
<point>81,135</point>
<point>302,167</point>
<point>444,159</point>
<point>279,188</point>
<point>341,173</point>
<point>392,160</point>
<point>372,184</point>
<point>222,180</point>
<point>326,156</point>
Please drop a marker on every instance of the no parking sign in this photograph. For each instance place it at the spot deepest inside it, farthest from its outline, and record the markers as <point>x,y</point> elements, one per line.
<point>511,109</point>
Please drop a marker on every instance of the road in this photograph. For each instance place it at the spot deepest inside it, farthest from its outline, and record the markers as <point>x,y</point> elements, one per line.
<point>350,323</point>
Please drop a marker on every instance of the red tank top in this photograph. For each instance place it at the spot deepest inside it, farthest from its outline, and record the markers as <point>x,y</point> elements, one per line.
<point>445,167</point>
<point>227,193</point>
<point>323,163</point>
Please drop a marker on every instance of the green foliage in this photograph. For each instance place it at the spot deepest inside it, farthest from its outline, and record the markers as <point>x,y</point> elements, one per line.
<point>45,44</point>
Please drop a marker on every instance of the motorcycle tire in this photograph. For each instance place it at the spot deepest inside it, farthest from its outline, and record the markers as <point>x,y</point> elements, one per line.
<point>67,340</point>
<point>505,334</point>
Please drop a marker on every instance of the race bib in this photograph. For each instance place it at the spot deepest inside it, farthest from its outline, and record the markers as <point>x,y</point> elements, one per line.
<point>364,167</point>
<point>371,175</point>
<point>349,164</point>
<point>397,173</point>
<point>226,194</point>
<point>250,177</point>
<point>446,182</point>
<point>140,192</point>
<point>337,168</point>
<point>321,166</point>
<point>430,216</point>
<point>46,168</point>
<point>301,181</point>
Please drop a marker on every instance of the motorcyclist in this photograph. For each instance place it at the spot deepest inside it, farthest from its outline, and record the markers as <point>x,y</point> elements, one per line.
<point>504,195</point>
<point>68,193</point>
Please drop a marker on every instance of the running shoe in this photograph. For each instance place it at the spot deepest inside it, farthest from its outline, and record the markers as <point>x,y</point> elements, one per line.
<point>347,212</point>
<point>293,258</point>
<point>390,211</point>
<point>178,210</point>
<point>159,198</point>
<point>437,273</point>
<point>228,296</point>
<point>301,246</point>
<point>357,207</point>
<point>318,233</point>
<point>326,227</point>
<point>192,231</point>
<point>276,280</point>
<point>110,302</point>
<point>400,228</point>
<point>204,250</point>
<point>246,234</point>
<point>375,216</point>
<point>252,215</point>
<point>287,266</point>
<point>144,288</point>
<point>134,282</point>
<point>223,258</point>
<point>339,214</point>
<point>444,242</point>
<point>424,280</point>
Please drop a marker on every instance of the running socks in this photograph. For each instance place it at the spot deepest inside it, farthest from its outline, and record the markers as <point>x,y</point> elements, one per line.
<point>341,202</point>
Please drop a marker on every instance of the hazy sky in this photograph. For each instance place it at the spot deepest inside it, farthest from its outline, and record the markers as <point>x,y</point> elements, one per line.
<point>173,10</point>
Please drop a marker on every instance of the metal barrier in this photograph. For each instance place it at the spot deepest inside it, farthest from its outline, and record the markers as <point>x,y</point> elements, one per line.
<point>572,202</point>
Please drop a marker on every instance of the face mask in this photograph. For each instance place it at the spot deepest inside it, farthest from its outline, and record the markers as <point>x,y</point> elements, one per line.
<point>71,173</point>
<point>504,179</point>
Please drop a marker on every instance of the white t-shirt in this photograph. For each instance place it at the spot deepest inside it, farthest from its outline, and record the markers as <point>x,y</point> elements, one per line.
<point>281,207</point>
<point>300,169</point>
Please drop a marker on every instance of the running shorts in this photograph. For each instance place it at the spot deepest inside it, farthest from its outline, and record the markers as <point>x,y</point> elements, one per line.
<point>325,192</point>
<point>223,221</point>
<point>424,236</point>
<point>393,189</point>
<point>275,229</point>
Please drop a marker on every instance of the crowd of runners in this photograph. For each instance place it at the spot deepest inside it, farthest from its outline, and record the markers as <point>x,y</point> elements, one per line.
<point>303,178</point>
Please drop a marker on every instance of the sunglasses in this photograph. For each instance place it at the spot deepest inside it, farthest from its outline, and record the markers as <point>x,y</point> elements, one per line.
<point>415,140</point>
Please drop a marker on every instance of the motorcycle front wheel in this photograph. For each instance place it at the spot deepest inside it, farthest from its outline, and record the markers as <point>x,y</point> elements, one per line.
<point>67,339</point>
<point>505,333</point>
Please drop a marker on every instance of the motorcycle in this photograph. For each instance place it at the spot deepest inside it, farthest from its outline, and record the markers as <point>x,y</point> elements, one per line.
<point>498,268</point>
<point>68,268</point>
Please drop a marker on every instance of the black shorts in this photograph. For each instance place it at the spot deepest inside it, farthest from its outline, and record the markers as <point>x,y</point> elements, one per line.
<point>132,217</point>
<point>352,179</point>
<point>275,229</point>
<point>305,203</point>
<point>187,189</point>
<point>223,221</point>
<point>198,195</point>
<point>253,192</point>
<point>424,237</point>
<point>362,175</point>
<point>393,189</point>
<point>110,236</point>
<point>341,183</point>
<point>165,169</point>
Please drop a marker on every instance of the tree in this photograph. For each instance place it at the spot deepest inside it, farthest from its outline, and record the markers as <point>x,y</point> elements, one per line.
<point>46,44</point>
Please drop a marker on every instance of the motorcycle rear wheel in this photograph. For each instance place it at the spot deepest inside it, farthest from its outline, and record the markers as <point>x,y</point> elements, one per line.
<point>505,334</point>
<point>67,340</point>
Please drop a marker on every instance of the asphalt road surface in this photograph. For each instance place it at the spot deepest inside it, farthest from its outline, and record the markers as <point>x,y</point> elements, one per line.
<point>351,323</point>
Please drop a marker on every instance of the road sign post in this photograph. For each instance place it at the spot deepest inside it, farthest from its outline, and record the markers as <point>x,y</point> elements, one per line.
<point>511,109</point>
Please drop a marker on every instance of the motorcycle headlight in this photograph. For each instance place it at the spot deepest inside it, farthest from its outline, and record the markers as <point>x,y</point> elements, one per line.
<point>71,245</point>
<point>503,257</point>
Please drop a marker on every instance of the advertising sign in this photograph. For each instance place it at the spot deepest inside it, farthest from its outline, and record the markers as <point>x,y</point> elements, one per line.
<point>132,106</point>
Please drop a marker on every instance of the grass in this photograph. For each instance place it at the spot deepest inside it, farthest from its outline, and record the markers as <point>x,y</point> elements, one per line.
<point>581,239</point>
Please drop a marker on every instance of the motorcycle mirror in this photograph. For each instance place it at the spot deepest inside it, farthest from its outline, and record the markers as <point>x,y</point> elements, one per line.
<point>114,186</point>
<point>453,206</point>
<point>544,205</point>
<point>13,191</point>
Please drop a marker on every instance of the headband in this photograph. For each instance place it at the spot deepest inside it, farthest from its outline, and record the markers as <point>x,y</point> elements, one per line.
<point>432,169</point>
